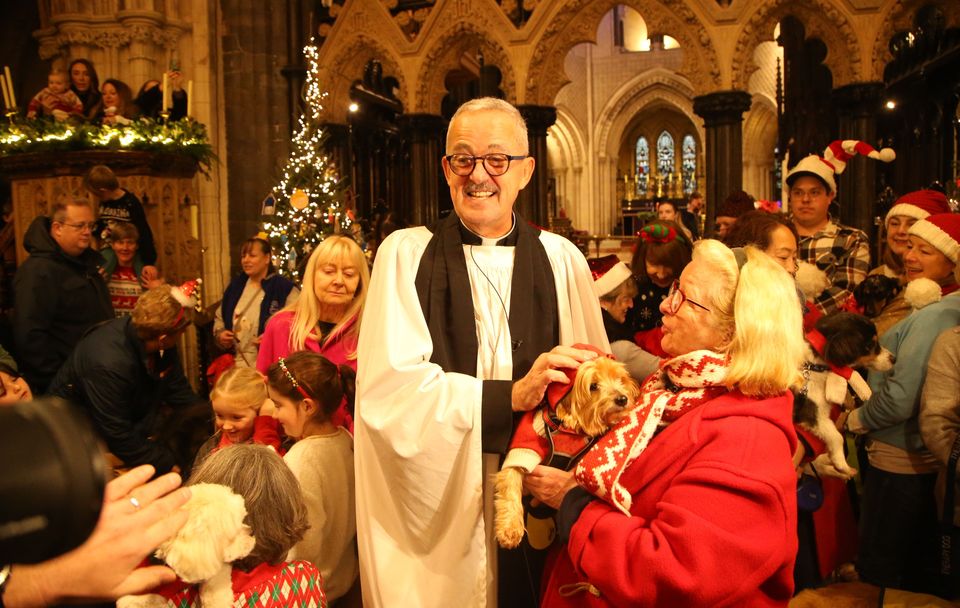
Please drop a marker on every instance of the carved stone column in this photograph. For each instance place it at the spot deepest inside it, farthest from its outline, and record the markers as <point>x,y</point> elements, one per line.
<point>857,108</point>
<point>423,135</point>
<point>532,202</point>
<point>722,114</point>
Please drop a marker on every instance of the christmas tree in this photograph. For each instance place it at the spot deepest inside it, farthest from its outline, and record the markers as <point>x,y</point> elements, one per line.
<point>307,204</point>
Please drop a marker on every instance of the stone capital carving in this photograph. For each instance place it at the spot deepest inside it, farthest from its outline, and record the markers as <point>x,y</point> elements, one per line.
<point>722,107</point>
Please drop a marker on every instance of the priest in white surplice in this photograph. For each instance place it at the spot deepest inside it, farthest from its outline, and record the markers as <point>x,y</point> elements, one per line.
<point>462,329</point>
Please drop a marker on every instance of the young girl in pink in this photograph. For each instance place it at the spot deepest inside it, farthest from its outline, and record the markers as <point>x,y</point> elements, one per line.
<point>307,388</point>
<point>242,412</point>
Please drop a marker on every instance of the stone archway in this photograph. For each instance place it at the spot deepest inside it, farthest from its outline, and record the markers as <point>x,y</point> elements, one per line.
<point>444,55</point>
<point>577,22</point>
<point>567,162</point>
<point>899,17</point>
<point>759,140</point>
<point>821,19</point>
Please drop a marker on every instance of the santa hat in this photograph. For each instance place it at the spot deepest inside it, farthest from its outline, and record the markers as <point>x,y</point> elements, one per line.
<point>942,231</point>
<point>187,294</point>
<point>558,390</point>
<point>608,273</point>
<point>919,204</point>
<point>834,161</point>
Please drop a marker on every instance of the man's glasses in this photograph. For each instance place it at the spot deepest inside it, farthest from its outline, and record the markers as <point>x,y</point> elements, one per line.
<point>494,164</point>
<point>81,226</point>
<point>675,299</point>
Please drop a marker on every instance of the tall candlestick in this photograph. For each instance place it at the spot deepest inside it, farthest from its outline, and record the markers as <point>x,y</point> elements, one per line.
<point>166,93</point>
<point>13,98</point>
<point>195,221</point>
<point>6,96</point>
<point>190,98</point>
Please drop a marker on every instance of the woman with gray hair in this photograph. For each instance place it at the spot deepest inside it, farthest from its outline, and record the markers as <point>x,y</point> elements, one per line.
<point>697,505</point>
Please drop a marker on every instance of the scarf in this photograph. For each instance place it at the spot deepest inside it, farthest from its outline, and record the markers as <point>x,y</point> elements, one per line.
<point>443,287</point>
<point>681,385</point>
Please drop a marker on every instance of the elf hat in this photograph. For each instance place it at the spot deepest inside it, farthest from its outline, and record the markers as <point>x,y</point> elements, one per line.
<point>608,273</point>
<point>941,231</point>
<point>558,390</point>
<point>834,161</point>
<point>919,205</point>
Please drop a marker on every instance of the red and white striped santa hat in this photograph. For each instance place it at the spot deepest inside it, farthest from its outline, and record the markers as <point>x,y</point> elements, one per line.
<point>834,161</point>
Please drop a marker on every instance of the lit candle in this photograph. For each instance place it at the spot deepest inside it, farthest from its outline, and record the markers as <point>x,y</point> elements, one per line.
<point>13,98</point>
<point>195,221</point>
<point>6,96</point>
<point>190,98</point>
<point>166,93</point>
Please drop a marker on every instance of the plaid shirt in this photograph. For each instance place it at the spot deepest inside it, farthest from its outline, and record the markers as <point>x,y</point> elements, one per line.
<point>843,253</point>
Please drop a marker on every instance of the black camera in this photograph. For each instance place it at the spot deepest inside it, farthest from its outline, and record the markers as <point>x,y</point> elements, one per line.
<point>54,474</point>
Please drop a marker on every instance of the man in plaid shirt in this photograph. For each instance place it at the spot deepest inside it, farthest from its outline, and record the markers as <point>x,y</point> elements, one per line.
<point>842,252</point>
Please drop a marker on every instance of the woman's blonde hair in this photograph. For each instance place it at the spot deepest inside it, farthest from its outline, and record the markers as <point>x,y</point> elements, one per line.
<point>276,513</point>
<point>757,309</point>
<point>244,386</point>
<point>306,310</point>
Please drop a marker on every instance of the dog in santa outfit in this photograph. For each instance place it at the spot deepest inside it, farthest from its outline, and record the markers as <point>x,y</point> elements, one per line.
<point>560,431</point>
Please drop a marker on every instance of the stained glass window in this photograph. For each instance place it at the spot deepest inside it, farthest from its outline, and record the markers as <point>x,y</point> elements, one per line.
<point>688,164</point>
<point>666,153</point>
<point>643,166</point>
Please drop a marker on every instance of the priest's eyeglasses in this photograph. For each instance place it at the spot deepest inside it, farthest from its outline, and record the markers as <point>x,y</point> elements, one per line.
<point>494,164</point>
<point>675,299</point>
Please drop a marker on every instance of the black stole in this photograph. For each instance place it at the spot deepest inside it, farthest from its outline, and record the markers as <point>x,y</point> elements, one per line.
<point>443,287</point>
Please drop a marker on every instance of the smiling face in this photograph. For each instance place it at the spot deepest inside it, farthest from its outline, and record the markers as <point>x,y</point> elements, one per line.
<point>660,275</point>
<point>691,327</point>
<point>897,228</point>
<point>80,77</point>
<point>289,413</point>
<point>923,260</point>
<point>125,249</point>
<point>233,419</point>
<point>255,261</point>
<point>485,203</point>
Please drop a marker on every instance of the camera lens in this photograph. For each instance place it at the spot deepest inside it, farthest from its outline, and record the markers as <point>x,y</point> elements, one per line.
<point>51,489</point>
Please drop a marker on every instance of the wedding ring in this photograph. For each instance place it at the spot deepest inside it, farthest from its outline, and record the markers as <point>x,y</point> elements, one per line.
<point>135,502</point>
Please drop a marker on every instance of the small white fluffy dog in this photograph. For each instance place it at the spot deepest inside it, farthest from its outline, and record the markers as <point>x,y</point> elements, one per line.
<point>602,393</point>
<point>202,551</point>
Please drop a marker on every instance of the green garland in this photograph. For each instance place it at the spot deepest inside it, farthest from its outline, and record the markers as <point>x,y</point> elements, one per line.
<point>185,136</point>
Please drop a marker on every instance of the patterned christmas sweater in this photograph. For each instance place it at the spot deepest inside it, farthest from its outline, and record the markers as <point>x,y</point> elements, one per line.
<point>283,585</point>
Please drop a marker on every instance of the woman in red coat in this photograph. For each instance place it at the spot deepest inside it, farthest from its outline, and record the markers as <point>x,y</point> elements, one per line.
<point>704,513</point>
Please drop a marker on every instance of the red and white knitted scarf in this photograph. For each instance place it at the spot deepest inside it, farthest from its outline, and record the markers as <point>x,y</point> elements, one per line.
<point>681,385</point>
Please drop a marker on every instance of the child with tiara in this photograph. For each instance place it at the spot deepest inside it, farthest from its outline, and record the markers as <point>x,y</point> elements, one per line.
<point>243,413</point>
<point>307,389</point>
<point>661,253</point>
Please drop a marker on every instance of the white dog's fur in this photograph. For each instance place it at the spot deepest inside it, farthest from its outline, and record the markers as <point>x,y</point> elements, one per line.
<point>582,410</point>
<point>202,551</point>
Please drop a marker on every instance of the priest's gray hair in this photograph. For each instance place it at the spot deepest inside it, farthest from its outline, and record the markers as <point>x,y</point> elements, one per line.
<point>482,104</point>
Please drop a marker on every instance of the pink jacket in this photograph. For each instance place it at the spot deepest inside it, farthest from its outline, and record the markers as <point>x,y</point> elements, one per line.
<point>275,343</point>
<point>713,521</point>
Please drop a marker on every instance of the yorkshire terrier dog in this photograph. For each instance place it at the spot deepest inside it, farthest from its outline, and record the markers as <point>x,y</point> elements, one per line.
<point>559,432</point>
<point>875,292</point>
<point>840,342</point>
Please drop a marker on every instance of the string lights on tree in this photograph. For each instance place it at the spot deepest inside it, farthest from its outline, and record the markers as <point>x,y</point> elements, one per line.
<point>307,205</point>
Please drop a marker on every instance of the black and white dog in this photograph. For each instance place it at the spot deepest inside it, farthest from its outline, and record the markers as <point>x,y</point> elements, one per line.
<point>839,343</point>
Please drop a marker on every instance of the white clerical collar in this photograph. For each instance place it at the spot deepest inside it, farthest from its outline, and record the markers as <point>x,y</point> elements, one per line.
<point>507,238</point>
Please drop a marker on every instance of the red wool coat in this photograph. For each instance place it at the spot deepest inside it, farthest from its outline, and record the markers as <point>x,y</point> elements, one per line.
<point>713,519</point>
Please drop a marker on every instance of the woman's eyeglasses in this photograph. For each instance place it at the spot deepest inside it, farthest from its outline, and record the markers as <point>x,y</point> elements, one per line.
<point>675,299</point>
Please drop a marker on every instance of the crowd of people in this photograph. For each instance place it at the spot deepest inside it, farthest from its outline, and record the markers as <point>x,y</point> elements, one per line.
<point>77,94</point>
<point>362,414</point>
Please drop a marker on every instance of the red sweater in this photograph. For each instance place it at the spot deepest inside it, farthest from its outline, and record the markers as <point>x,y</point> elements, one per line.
<point>288,584</point>
<point>713,520</point>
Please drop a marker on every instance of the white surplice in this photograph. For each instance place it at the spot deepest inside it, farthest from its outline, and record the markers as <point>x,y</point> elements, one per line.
<point>424,490</point>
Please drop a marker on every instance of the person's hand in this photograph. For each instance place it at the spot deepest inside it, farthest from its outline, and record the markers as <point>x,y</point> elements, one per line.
<point>267,408</point>
<point>826,469</point>
<point>176,80</point>
<point>256,341</point>
<point>149,274</point>
<point>528,391</point>
<point>106,566</point>
<point>60,115</point>
<point>225,339</point>
<point>549,485</point>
